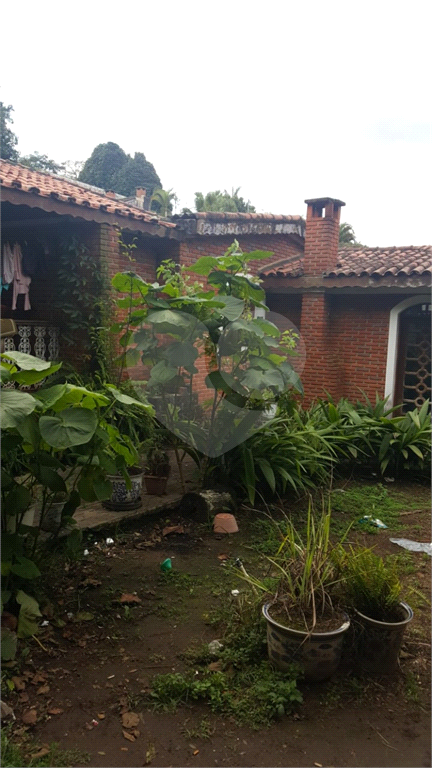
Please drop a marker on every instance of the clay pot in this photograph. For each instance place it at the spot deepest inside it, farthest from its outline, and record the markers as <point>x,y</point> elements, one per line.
<point>155,485</point>
<point>225,523</point>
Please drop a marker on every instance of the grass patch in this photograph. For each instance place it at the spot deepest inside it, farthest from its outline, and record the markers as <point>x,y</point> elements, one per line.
<point>374,500</point>
<point>15,755</point>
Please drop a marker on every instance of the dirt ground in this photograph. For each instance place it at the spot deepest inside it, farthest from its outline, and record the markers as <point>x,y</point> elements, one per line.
<point>83,675</point>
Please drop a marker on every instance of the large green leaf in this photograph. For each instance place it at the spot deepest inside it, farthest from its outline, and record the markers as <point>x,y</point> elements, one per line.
<point>73,426</point>
<point>161,373</point>
<point>26,362</point>
<point>14,407</point>
<point>32,377</point>
<point>28,615</point>
<point>125,282</point>
<point>8,644</point>
<point>204,265</point>
<point>172,321</point>
<point>17,499</point>
<point>181,354</point>
<point>127,400</point>
<point>25,568</point>
<point>232,308</point>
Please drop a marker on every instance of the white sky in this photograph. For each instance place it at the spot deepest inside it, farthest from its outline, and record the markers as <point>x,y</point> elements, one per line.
<point>288,100</point>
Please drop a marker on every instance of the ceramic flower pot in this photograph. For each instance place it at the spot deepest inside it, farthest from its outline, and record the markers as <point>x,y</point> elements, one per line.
<point>378,643</point>
<point>319,653</point>
<point>123,498</point>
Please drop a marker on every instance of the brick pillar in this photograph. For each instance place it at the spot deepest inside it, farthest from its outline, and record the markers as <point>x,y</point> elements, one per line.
<point>318,373</point>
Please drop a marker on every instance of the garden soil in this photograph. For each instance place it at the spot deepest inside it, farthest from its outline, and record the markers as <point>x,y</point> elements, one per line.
<point>125,621</point>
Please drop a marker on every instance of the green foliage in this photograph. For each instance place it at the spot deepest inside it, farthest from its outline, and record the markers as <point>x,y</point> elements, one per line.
<point>103,164</point>
<point>371,585</point>
<point>83,297</point>
<point>38,162</point>
<point>14,754</point>
<point>252,696</point>
<point>162,200</point>
<point>306,574</point>
<point>223,201</point>
<point>9,140</point>
<point>347,235</point>
<point>216,323</point>
<point>109,167</point>
<point>372,436</point>
<point>57,442</point>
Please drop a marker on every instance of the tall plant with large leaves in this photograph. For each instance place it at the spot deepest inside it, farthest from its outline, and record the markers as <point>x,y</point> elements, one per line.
<point>57,440</point>
<point>178,330</point>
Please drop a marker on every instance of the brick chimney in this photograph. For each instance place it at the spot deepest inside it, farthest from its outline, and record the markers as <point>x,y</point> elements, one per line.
<point>140,197</point>
<point>322,235</point>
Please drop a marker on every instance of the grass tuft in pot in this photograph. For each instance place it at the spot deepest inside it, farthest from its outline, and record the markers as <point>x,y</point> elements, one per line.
<point>371,584</point>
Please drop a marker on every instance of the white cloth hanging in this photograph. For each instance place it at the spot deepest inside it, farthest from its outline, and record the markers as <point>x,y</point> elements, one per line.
<point>21,282</point>
<point>7,264</point>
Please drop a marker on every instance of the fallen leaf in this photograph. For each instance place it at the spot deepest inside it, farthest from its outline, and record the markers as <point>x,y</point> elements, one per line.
<point>38,678</point>
<point>88,727</point>
<point>318,765</point>
<point>6,710</point>
<point>127,598</point>
<point>19,683</point>
<point>101,753</point>
<point>29,717</point>
<point>83,616</point>
<point>43,690</point>
<point>101,716</point>
<point>42,752</point>
<point>128,736</point>
<point>130,719</point>
<point>82,643</point>
<point>196,752</point>
<point>150,754</point>
<point>124,749</point>
<point>89,582</point>
<point>23,698</point>
<point>55,711</point>
<point>173,529</point>
<point>223,557</point>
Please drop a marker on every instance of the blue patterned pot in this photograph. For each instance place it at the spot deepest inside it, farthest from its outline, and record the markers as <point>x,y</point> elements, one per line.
<point>123,498</point>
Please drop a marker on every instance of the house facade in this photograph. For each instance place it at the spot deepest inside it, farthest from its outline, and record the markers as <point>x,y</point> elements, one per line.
<point>362,314</point>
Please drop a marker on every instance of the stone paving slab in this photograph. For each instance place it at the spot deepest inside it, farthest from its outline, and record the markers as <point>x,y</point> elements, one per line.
<point>94,516</point>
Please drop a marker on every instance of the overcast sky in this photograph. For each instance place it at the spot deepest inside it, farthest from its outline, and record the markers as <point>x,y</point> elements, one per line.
<point>287,100</point>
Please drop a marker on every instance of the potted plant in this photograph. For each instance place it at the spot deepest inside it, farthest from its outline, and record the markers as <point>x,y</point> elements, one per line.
<point>372,591</point>
<point>157,468</point>
<point>304,624</point>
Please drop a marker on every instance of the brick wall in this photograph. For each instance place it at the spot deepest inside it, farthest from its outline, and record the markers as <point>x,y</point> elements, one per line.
<point>279,245</point>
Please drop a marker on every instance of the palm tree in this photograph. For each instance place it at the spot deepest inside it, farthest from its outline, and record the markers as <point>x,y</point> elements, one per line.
<point>347,235</point>
<point>163,199</point>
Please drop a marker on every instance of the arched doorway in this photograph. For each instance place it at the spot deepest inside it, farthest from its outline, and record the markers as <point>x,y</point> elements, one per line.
<point>408,376</point>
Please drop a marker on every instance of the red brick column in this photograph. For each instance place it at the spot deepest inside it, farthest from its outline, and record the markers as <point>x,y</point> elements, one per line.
<point>318,373</point>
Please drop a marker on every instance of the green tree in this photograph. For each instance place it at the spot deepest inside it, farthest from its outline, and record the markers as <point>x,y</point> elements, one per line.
<point>222,202</point>
<point>347,235</point>
<point>104,163</point>
<point>162,201</point>
<point>38,162</point>
<point>8,138</point>
<point>136,172</point>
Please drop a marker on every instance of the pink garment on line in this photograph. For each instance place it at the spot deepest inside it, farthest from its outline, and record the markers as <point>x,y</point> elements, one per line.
<point>21,282</point>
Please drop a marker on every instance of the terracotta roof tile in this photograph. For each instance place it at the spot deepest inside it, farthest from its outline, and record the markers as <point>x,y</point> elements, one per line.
<point>17,176</point>
<point>360,261</point>
<point>230,216</point>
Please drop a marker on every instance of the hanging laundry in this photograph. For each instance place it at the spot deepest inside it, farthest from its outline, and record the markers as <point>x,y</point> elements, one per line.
<point>21,282</point>
<point>7,267</point>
